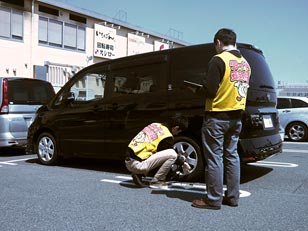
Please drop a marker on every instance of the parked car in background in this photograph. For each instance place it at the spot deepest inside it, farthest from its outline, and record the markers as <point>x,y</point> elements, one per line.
<point>105,105</point>
<point>19,100</point>
<point>282,133</point>
<point>293,115</point>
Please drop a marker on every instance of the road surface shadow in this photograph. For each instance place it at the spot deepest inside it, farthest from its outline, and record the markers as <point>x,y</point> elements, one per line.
<point>248,172</point>
<point>90,164</point>
<point>251,172</point>
<point>6,152</point>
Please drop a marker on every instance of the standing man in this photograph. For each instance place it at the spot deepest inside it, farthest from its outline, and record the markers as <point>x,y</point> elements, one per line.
<point>152,148</point>
<point>226,86</point>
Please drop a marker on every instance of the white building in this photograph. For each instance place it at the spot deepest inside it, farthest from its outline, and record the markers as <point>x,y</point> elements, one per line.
<point>51,40</point>
<point>292,89</point>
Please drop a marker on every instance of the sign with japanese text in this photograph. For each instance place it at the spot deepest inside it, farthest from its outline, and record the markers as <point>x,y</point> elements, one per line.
<point>104,41</point>
<point>135,44</point>
<point>158,46</point>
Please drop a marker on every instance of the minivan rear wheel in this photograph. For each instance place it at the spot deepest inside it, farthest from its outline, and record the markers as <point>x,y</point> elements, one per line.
<point>191,150</point>
<point>297,131</point>
<point>46,148</point>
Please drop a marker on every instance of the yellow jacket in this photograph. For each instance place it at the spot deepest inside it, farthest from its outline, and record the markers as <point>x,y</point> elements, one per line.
<point>232,92</point>
<point>145,143</point>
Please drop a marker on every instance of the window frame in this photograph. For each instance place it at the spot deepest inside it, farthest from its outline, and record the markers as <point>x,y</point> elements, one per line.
<point>67,32</point>
<point>14,24</point>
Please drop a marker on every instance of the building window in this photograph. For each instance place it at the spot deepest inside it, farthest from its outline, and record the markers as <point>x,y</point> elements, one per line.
<point>70,38</point>
<point>81,38</point>
<point>59,34</point>
<point>55,33</point>
<point>48,10</point>
<point>43,30</point>
<point>74,37</point>
<point>15,2</point>
<point>78,18</point>
<point>11,23</point>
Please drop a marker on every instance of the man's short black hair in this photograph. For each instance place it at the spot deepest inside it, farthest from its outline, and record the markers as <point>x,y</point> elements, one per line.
<point>226,36</point>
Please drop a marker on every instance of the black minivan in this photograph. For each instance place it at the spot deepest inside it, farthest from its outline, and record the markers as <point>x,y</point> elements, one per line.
<point>103,106</point>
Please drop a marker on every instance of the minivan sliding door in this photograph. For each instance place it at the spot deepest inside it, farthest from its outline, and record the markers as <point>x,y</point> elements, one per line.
<point>137,98</point>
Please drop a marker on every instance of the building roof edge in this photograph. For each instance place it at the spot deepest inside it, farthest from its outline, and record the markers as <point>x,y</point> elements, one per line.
<point>102,17</point>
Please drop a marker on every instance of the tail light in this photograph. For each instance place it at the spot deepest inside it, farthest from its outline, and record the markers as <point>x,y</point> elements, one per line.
<point>5,98</point>
<point>256,121</point>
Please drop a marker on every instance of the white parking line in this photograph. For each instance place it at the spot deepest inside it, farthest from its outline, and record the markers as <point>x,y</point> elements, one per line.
<point>176,186</point>
<point>12,162</point>
<point>295,150</point>
<point>274,164</point>
<point>297,143</point>
<point>18,160</point>
<point>7,163</point>
<point>112,181</point>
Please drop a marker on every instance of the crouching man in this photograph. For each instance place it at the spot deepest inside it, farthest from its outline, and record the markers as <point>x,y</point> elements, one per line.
<point>152,148</point>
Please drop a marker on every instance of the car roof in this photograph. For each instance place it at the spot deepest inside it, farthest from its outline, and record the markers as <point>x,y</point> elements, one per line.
<point>24,79</point>
<point>174,50</point>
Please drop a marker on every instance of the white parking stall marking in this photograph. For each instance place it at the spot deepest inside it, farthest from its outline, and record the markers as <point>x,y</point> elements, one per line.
<point>12,162</point>
<point>295,150</point>
<point>124,177</point>
<point>7,163</point>
<point>111,181</point>
<point>274,164</point>
<point>175,186</point>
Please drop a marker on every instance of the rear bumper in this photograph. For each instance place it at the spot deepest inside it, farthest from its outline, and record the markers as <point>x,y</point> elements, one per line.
<point>21,142</point>
<point>259,148</point>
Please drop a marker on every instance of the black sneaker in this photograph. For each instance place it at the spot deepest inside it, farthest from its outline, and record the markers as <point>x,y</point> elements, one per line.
<point>137,179</point>
<point>225,201</point>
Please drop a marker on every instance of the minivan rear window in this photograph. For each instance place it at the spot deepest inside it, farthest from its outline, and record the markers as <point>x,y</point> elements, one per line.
<point>26,91</point>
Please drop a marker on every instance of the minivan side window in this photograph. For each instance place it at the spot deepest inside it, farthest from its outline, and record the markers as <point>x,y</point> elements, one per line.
<point>189,66</point>
<point>89,87</point>
<point>137,80</point>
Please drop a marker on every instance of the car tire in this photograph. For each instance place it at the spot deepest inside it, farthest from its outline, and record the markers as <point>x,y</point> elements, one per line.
<point>192,151</point>
<point>297,131</point>
<point>46,149</point>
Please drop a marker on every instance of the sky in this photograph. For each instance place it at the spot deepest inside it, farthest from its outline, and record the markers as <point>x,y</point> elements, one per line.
<point>273,26</point>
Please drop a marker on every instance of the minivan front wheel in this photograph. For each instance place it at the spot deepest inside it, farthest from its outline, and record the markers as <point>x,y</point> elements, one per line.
<point>191,150</point>
<point>47,149</point>
<point>297,131</point>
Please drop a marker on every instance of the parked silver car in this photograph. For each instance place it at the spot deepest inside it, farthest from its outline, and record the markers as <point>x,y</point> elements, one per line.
<point>19,100</point>
<point>293,115</point>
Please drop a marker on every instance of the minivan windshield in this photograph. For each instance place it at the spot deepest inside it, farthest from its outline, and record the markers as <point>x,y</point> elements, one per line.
<point>24,91</point>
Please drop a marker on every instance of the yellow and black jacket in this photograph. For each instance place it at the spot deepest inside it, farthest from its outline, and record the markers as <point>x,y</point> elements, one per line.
<point>152,138</point>
<point>227,82</point>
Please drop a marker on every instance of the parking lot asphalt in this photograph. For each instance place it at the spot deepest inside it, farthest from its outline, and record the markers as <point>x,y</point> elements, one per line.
<point>83,194</point>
